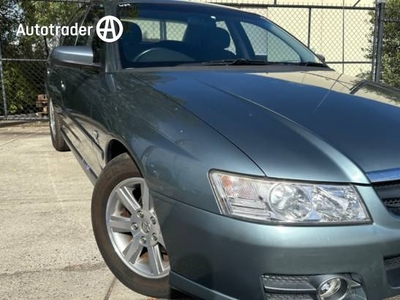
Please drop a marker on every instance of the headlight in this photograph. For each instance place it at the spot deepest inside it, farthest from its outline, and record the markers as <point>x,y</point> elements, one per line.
<point>284,201</point>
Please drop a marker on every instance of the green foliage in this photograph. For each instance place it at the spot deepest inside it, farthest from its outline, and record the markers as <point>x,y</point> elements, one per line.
<point>391,44</point>
<point>46,13</point>
<point>25,80</point>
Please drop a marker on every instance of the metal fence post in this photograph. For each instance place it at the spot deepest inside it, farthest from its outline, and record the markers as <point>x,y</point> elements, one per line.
<point>374,38</point>
<point>379,40</point>
<point>3,88</point>
<point>343,35</point>
<point>309,28</point>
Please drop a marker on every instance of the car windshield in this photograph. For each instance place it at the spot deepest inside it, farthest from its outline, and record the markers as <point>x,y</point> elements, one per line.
<point>171,34</point>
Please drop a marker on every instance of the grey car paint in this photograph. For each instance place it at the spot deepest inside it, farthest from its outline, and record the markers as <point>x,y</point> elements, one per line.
<point>320,124</point>
<point>176,140</point>
<point>299,146</point>
<point>66,55</point>
<point>284,122</point>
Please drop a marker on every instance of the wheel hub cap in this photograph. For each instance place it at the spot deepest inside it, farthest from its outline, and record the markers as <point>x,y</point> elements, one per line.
<point>134,230</point>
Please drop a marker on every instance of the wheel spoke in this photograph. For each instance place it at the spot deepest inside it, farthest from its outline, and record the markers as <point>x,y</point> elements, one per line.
<point>120,224</point>
<point>161,240</point>
<point>133,227</point>
<point>145,197</point>
<point>155,259</point>
<point>127,199</point>
<point>133,250</point>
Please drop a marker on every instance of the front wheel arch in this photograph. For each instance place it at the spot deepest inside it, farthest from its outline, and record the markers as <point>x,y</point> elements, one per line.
<point>117,172</point>
<point>116,148</point>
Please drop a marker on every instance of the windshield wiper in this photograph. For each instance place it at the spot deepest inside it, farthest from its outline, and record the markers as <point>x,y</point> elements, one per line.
<point>236,62</point>
<point>310,64</point>
<point>302,63</point>
<point>254,62</point>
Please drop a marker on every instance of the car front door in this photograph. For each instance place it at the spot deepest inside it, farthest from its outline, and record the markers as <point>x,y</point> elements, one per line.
<point>87,87</point>
<point>78,87</point>
<point>58,74</point>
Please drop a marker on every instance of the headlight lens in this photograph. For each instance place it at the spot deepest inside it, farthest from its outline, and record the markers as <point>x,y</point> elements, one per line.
<point>283,201</point>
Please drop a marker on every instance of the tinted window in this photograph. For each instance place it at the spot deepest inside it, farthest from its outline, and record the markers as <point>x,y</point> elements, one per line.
<point>96,12</point>
<point>157,30</point>
<point>268,46</point>
<point>223,25</point>
<point>173,34</point>
<point>76,19</point>
<point>175,30</point>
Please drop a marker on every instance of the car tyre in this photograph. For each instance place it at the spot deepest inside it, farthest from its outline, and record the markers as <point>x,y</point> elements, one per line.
<point>55,130</point>
<point>127,232</point>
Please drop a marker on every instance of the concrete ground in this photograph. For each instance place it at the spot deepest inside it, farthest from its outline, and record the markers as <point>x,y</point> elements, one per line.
<point>47,248</point>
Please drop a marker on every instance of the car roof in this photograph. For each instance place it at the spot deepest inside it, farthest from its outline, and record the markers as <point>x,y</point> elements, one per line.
<point>157,2</point>
<point>176,2</point>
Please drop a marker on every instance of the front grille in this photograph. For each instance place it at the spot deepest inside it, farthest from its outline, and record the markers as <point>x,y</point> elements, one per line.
<point>276,296</point>
<point>392,262</point>
<point>392,267</point>
<point>387,183</point>
<point>395,203</point>
<point>305,287</point>
<point>389,193</point>
<point>286,278</point>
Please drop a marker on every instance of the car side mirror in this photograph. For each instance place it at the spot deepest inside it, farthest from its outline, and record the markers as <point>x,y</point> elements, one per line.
<point>74,56</point>
<point>321,57</point>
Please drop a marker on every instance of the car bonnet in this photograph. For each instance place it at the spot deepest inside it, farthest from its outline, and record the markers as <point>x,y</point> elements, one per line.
<point>311,125</point>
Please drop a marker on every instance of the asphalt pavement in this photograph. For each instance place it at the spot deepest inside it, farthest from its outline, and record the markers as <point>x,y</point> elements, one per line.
<point>47,247</point>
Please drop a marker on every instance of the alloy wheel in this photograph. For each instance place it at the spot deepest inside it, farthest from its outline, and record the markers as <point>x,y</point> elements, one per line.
<point>134,230</point>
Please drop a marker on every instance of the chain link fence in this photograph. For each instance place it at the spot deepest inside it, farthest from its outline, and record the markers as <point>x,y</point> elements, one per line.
<point>23,58</point>
<point>342,34</point>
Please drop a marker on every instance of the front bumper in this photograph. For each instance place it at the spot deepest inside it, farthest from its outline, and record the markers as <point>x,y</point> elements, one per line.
<point>214,256</point>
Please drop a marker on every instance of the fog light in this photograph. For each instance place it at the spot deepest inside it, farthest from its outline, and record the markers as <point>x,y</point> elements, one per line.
<point>332,289</point>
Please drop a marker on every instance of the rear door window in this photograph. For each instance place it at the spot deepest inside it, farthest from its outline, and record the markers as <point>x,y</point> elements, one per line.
<point>159,30</point>
<point>175,30</point>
